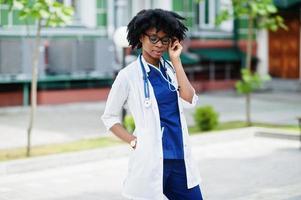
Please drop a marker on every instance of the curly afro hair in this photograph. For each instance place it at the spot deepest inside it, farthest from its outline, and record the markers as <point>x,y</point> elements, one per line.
<point>163,20</point>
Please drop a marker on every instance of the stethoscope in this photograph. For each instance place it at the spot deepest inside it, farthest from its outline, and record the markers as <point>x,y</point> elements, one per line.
<point>147,101</point>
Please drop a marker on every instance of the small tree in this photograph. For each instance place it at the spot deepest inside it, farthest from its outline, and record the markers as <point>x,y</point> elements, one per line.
<point>129,123</point>
<point>264,14</point>
<point>43,13</point>
<point>206,118</point>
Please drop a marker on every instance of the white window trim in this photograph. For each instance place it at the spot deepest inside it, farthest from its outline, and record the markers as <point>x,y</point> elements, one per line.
<point>226,26</point>
<point>212,14</point>
<point>67,2</point>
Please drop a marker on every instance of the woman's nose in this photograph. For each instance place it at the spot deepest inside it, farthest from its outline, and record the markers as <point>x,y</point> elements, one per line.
<point>159,43</point>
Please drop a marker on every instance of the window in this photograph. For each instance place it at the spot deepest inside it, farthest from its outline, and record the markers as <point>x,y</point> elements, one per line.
<point>207,12</point>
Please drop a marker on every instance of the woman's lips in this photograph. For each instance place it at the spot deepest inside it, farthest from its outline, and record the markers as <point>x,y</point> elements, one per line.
<point>157,53</point>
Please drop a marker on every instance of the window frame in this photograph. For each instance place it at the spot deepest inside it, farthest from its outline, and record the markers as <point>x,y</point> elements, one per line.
<point>212,13</point>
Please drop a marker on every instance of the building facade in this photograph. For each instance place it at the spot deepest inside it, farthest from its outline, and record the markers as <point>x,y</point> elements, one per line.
<point>79,60</point>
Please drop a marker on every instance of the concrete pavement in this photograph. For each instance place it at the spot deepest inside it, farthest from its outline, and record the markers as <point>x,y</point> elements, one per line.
<point>234,165</point>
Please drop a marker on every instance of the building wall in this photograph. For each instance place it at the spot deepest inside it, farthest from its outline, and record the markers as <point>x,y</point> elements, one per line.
<point>95,22</point>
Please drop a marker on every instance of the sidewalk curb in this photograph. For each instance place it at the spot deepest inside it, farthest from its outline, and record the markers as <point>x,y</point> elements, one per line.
<point>60,160</point>
<point>278,134</point>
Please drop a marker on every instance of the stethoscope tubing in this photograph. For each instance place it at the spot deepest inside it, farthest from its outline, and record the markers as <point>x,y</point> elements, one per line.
<point>147,101</point>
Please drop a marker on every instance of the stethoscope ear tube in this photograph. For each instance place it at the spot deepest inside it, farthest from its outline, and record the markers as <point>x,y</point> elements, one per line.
<point>147,101</point>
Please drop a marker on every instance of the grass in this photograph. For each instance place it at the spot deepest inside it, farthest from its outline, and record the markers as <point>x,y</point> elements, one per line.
<point>241,124</point>
<point>19,153</point>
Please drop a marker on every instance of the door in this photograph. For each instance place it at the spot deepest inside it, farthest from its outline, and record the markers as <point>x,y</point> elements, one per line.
<point>284,48</point>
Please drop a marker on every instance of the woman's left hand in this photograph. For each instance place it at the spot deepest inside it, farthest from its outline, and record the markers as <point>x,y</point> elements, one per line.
<point>175,49</point>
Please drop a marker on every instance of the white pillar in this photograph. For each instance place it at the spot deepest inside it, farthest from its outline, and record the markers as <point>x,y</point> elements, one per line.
<point>87,13</point>
<point>110,19</point>
<point>262,52</point>
<point>166,4</point>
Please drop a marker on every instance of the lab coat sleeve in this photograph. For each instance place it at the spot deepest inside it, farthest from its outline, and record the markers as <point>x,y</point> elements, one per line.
<point>193,103</point>
<point>115,101</point>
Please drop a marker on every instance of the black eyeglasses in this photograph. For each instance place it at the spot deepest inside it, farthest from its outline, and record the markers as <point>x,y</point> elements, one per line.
<point>154,39</point>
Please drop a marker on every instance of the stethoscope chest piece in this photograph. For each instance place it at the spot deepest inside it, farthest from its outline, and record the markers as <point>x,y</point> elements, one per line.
<point>147,102</point>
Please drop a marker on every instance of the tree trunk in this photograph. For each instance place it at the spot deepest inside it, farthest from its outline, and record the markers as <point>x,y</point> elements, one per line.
<point>249,42</point>
<point>248,107</point>
<point>35,61</point>
<point>248,63</point>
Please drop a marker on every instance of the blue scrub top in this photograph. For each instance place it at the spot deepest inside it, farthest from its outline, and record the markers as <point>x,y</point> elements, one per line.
<point>167,100</point>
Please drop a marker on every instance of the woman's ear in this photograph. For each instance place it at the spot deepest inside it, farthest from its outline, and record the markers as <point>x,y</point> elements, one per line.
<point>141,38</point>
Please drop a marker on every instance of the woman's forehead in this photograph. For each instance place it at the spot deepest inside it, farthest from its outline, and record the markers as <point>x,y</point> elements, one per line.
<point>154,31</point>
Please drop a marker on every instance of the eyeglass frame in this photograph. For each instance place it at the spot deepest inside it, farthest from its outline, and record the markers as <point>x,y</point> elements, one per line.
<point>158,39</point>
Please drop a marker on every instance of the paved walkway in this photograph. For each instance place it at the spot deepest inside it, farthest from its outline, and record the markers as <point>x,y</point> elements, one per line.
<point>69,122</point>
<point>234,165</point>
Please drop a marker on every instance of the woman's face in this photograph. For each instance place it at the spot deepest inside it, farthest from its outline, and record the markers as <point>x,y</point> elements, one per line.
<point>154,44</point>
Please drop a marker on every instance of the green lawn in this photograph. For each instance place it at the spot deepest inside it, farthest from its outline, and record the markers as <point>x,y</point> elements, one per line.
<point>241,124</point>
<point>20,153</point>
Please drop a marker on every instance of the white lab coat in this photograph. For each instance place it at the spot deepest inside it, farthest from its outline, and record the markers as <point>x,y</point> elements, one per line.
<point>145,168</point>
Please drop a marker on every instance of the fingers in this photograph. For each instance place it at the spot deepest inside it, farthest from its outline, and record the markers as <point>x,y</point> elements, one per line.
<point>175,48</point>
<point>176,45</point>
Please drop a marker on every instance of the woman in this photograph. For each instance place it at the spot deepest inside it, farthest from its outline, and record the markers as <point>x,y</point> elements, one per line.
<point>155,91</point>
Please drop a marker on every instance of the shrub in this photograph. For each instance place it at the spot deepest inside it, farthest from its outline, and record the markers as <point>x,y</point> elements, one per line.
<point>205,118</point>
<point>129,123</point>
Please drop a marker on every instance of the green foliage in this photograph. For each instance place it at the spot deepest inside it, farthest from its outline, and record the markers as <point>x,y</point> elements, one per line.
<point>222,16</point>
<point>205,118</point>
<point>129,123</point>
<point>250,81</point>
<point>52,13</point>
<point>264,12</point>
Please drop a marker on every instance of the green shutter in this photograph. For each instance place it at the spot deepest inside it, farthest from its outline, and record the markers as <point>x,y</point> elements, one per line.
<point>243,28</point>
<point>101,15</point>
<point>177,5</point>
<point>101,3</point>
<point>186,9</point>
<point>243,23</point>
<point>16,20</point>
<point>3,16</point>
<point>207,12</point>
<point>189,21</point>
<point>102,19</point>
